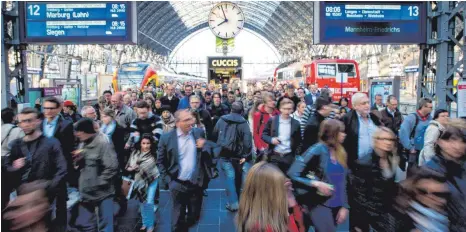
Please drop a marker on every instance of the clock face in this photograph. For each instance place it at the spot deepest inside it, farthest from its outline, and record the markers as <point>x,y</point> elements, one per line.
<point>226,20</point>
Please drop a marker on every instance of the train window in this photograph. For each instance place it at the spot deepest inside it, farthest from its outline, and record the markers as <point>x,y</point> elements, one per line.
<point>299,74</point>
<point>347,68</point>
<point>326,70</point>
<point>280,76</point>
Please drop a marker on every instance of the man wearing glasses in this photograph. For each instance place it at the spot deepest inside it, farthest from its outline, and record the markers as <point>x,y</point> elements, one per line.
<point>55,125</point>
<point>360,127</point>
<point>37,158</point>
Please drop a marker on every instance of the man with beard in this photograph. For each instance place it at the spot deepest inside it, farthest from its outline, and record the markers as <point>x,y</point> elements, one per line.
<point>184,102</point>
<point>170,99</point>
<point>37,157</point>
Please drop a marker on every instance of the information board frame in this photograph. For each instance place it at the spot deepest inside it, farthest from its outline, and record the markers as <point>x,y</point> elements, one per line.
<point>129,38</point>
<point>321,26</point>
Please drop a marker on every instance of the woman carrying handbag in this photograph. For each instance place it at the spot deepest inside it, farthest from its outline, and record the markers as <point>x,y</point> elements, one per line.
<point>142,164</point>
<point>320,178</point>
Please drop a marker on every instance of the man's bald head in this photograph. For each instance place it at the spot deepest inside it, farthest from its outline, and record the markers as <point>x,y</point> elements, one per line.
<point>117,100</point>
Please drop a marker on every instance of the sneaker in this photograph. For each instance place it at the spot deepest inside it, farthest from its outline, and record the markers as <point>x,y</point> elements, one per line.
<point>230,208</point>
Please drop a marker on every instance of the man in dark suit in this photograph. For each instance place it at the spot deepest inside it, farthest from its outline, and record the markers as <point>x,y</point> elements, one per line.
<point>185,164</point>
<point>54,125</point>
<point>311,98</point>
<point>378,104</point>
<point>170,99</point>
<point>283,134</point>
<point>391,116</point>
<point>360,126</point>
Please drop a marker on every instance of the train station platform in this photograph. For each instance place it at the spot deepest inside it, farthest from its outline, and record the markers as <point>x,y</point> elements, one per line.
<point>214,216</point>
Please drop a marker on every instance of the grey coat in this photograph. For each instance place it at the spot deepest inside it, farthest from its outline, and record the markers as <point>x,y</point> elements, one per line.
<point>99,167</point>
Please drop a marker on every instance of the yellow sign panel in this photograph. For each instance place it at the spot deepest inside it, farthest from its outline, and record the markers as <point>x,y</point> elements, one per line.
<point>228,44</point>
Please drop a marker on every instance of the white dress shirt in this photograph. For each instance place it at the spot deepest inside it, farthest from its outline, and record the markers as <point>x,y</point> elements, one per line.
<point>284,135</point>
<point>188,153</point>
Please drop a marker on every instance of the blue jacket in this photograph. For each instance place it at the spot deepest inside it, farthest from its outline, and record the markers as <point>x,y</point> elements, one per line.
<point>308,99</point>
<point>184,103</point>
<point>417,142</point>
<point>315,161</point>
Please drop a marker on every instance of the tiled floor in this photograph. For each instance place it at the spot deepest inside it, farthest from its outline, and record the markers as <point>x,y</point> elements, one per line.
<point>214,216</point>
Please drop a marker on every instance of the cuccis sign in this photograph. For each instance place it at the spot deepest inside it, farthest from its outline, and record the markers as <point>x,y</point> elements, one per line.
<point>224,62</point>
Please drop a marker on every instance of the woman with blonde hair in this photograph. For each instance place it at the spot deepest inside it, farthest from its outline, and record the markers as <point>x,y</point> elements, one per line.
<point>320,178</point>
<point>266,201</point>
<point>373,184</point>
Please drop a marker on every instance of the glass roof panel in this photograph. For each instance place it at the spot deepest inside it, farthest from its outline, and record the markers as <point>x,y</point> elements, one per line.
<point>168,23</point>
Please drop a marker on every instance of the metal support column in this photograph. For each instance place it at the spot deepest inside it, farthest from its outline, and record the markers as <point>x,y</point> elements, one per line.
<point>437,64</point>
<point>10,39</point>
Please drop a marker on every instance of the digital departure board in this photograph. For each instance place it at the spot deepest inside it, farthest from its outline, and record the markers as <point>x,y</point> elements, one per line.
<point>369,22</point>
<point>79,22</point>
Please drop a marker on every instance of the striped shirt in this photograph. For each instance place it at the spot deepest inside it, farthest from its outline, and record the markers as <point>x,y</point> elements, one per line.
<point>152,125</point>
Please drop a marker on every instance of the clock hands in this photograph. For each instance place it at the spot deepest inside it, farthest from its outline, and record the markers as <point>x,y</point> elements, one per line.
<point>224,16</point>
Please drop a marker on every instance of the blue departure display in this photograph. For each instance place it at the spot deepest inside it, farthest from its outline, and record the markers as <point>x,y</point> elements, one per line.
<point>77,22</point>
<point>370,22</point>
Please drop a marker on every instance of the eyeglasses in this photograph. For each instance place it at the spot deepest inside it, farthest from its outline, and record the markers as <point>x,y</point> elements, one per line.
<point>386,139</point>
<point>437,194</point>
<point>49,108</point>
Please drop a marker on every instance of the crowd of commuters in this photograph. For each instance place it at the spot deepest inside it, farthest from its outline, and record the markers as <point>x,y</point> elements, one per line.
<point>290,159</point>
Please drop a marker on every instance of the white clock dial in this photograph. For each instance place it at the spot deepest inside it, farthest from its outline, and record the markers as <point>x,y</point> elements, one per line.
<point>226,20</point>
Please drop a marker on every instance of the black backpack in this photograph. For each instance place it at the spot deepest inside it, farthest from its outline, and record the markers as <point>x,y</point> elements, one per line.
<point>229,140</point>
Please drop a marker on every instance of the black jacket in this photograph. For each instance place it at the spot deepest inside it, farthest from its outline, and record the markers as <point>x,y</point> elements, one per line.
<point>118,140</point>
<point>314,160</point>
<point>351,143</point>
<point>74,118</point>
<point>168,158</point>
<point>217,111</point>
<point>47,163</point>
<point>372,192</point>
<point>270,133</point>
<point>172,103</point>
<point>205,118</point>
<point>64,132</point>
<point>243,135</point>
<point>392,122</point>
<point>311,131</point>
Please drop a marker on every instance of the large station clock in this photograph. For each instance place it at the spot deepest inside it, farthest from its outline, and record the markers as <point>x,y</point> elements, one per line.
<point>226,20</point>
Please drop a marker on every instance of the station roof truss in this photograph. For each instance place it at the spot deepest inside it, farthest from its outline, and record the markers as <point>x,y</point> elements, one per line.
<point>163,24</point>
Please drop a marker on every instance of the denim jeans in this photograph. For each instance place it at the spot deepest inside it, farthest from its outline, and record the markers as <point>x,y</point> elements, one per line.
<point>86,220</point>
<point>235,174</point>
<point>147,208</point>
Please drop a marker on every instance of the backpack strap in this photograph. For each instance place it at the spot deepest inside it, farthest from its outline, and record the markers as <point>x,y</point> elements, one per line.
<point>8,134</point>
<point>261,121</point>
<point>413,131</point>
